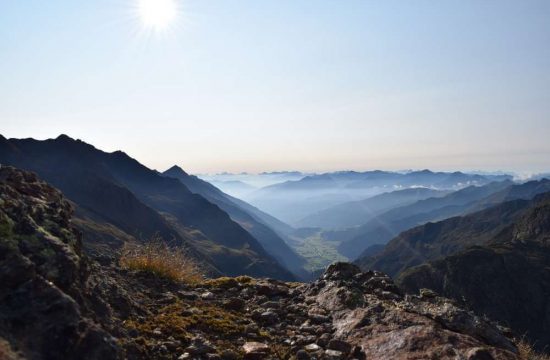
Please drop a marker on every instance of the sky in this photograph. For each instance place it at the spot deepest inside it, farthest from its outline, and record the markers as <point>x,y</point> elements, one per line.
<point>308,85</point>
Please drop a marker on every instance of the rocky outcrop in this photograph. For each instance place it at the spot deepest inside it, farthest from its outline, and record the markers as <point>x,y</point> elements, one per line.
<point>55,303</point>
<point>345,314</point>
<point>42,275</point>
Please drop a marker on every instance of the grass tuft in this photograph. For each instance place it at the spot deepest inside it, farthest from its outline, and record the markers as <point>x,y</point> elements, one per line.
<point>526,351</point>
<point>162,260</point>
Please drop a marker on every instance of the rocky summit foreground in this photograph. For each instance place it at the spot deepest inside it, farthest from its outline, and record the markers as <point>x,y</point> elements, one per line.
<point>56,303</point>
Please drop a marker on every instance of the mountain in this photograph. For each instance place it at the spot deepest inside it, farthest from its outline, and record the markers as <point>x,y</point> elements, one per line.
<point>58,303</point>
<point>294,200</point>
<point>506,276</point>
<point>436,240</point>
<point>245,215</point>
<point>388,225</point>
<point>124,194</point>
<point>356,213</point>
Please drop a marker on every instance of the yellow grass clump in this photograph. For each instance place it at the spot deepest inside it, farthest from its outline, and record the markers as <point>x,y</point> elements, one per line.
<point>162,260</point>
<point>526,351</point>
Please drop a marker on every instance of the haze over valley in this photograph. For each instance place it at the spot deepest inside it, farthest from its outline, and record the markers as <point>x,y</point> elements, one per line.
<point>274,180</point>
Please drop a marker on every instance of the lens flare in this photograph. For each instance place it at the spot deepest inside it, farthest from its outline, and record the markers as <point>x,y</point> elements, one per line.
<point>157,14</point>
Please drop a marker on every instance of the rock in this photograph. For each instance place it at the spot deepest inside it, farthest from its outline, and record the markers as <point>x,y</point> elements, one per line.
<point>199,346</point>
<point>341,271</point>
<point>269,317</point>
<point>479,354</point>
<point>302,355</point>
<point>427,293</point>
<point>229,355</point>
<point>319,319</point>
<point>324,339</point>
<point>44,275</point>
<point>208,296</point>
<point>255,350</point>
<point>340,345</point>
<point>234,304</point>
<point>333,354</point>
<point>312,347</point>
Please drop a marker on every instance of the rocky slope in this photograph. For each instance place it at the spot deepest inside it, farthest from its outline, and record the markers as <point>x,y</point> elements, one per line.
<point>56,303</point>
<point>433,241</point>
<point>43,275</point>
<point>507,278</point>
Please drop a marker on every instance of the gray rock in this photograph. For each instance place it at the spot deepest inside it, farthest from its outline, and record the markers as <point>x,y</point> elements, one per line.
<point>312,347</point>
<point>333,354</point>
<point>208,296</point>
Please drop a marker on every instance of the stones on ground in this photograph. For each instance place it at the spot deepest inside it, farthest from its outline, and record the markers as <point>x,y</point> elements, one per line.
<point>236,304</point>
<point>208,296</point>
<point>302,355</point>
<point>229,355</point>
<point>269,317</point>
<point>333,354</point>
<point>312,347</point>
<point>200,346</point>
<point>255,350</point>
<point>339,345</point>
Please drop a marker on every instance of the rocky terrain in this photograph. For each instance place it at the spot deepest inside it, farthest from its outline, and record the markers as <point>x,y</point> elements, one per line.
<point>507,278</point>
<point>58,303</point>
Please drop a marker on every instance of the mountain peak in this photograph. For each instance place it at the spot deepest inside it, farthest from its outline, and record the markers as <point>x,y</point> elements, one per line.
<point>64,137</point>
<point>175,170</point>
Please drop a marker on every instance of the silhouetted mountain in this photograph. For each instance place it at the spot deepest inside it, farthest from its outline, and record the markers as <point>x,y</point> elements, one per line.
<point>356,213</point>
<point>507,278</point>
<point>112,184</point>
<point>292,201</point>
<point>388,225</point>
<point>246,216</point>
<point>436,240</point>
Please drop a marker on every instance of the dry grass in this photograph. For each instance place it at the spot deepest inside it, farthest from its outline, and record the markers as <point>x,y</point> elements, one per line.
<point>162,260</point>
<point>526,352</point>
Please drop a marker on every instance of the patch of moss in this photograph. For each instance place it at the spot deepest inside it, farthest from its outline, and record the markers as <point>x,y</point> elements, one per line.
<point>226,282</point>
<point>6,228</point>
<point>180,319</point>
<point>294,284</point>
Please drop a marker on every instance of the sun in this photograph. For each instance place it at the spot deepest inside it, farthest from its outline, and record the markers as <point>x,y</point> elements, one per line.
<point>157,14</point>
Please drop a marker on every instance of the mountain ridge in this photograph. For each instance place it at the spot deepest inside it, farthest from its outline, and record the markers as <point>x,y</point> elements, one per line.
<point>70,164</point>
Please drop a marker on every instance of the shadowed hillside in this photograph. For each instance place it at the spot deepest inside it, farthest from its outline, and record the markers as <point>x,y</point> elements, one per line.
<point>124,193</point>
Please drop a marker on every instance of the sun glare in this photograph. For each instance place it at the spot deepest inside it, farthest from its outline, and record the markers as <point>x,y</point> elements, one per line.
<point>157,14</point>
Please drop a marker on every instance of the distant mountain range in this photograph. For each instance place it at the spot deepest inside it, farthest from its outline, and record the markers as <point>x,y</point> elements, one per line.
<point>292,201</point>
<point>115,193</point>
<point>494,260</point>
<point>355,213</point>
<point>386,226</point>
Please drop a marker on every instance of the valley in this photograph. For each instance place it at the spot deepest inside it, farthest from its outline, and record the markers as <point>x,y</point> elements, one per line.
<point>454,243</point>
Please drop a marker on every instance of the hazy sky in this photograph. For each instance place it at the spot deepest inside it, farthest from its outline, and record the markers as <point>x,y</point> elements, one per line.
<point>272,85</point>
